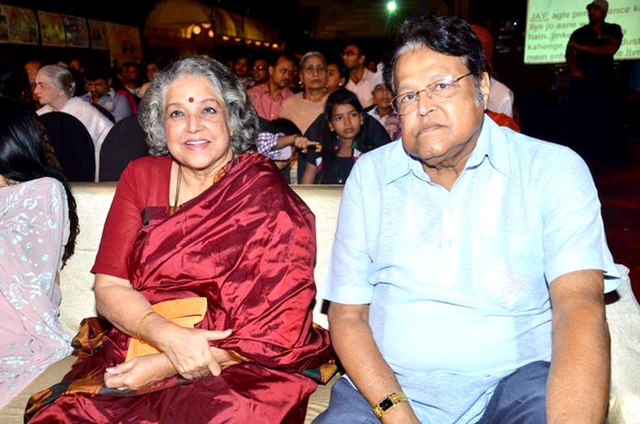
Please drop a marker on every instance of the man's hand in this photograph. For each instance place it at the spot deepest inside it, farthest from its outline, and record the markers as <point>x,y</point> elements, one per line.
<point>402,413</point>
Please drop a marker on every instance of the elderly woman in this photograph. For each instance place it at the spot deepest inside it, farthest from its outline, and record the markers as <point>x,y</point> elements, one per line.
<point>206,233</point>
<point>55,87</point>
<point>38,227</point>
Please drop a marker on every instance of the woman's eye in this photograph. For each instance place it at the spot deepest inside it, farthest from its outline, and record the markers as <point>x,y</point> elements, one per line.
<point>176,114</point>
<point>209,109</point>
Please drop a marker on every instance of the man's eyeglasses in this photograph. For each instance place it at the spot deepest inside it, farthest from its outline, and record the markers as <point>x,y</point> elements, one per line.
<point>406,103</point>
<point>259,68</point>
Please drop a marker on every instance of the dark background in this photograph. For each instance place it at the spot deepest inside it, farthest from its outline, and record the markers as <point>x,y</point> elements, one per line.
<point>541,91</point>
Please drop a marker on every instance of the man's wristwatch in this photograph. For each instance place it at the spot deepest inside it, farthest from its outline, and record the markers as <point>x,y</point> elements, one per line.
<point>388,402</point>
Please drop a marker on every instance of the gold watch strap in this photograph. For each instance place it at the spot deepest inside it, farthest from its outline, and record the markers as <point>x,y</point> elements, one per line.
<point>388,402</point>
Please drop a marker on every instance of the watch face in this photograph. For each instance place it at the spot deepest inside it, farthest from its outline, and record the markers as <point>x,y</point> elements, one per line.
<point>386,404</point>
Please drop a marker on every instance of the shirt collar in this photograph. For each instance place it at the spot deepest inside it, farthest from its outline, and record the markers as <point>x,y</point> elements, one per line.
<point>492,144</point>
<point>399,163</point>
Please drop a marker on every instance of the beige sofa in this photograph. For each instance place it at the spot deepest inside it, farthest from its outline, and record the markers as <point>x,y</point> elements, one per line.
<point>78,302</point>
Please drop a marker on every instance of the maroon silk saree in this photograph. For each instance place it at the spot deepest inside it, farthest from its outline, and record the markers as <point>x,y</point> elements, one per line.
<point>248,246</point>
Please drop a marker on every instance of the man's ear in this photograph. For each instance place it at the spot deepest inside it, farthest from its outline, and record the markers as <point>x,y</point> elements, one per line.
<point>485,85</point>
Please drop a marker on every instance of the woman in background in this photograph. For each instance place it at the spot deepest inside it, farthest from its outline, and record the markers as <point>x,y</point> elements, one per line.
<point>55,88</point>
<point>38,228</point>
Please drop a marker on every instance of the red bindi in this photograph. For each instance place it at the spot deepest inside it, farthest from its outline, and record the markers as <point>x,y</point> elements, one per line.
<point>190,99</point>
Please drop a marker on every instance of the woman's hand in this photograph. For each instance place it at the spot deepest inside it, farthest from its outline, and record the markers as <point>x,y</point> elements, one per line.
<point>146,370</point>
<point>139,372</point>
<point>188,349</point>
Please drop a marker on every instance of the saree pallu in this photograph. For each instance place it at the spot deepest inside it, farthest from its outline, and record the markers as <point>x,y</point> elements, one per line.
<point>248,246</point>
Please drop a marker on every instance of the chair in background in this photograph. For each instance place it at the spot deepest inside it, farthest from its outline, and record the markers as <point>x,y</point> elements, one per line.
<point>72,144</point>
<point>125,142</point>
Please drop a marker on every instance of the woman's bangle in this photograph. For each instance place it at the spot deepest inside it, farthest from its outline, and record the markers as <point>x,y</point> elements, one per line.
<point>141,322</point>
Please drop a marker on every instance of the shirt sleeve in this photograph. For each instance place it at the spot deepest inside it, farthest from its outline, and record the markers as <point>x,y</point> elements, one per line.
<point>349,261</point>
<point>266,141</point>
<point>122,109</point>
<point>120,229</point>
<point>617,32</point>
<point>573,230</point>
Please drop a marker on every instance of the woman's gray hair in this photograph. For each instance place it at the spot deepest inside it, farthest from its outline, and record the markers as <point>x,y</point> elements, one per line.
<point>241,117</point>
<point>312,53</point>
<point>61,77</point>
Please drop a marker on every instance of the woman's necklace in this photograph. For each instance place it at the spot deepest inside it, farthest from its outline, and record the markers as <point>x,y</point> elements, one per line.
<point>174,208</point>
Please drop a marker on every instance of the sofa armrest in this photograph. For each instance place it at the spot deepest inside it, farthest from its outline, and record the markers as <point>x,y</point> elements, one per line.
<point>623,316</point>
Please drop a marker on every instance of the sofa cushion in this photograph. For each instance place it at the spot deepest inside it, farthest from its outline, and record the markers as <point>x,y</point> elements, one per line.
<point>94,200</point>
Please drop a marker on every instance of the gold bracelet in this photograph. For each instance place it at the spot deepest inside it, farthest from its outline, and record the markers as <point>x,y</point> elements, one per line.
<point>388,402</point>
<point>141,324</point>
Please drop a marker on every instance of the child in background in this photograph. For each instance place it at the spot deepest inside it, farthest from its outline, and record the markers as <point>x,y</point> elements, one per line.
<point>382,110</point>
<point>345,132</point>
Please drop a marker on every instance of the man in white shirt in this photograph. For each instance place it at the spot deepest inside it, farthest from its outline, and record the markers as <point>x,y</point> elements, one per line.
<point>361,80</point>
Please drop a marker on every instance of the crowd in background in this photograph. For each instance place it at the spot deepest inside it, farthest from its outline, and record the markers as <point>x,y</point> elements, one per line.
<point>289,91</point>
<point>210,126</point>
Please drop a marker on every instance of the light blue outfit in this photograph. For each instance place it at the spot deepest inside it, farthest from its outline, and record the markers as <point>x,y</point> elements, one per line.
<point>457,281</point>
<point>114,103</point>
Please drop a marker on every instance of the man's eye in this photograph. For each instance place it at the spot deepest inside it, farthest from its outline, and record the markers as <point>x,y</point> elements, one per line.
<point>442,86</point>
<point>409,97</point>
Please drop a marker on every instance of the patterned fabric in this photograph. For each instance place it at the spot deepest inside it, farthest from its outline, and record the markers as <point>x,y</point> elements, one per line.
<point>266,141</point>
<point>390,122</point>
<point>34,227</point>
